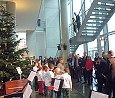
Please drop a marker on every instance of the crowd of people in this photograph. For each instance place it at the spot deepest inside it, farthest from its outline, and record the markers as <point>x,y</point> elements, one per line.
<point>101,69</point>
<point>83,69</point>
<point>50,70</point>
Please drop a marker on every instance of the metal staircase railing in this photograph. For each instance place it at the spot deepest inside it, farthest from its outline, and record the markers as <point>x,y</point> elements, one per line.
<point>96,18</point>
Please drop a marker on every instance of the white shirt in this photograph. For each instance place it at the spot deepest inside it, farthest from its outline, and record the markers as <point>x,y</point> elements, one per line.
<point>67,81</point>
<point>43,74</point>
<point>48,78</point>
<point>35,69</point>
<point>58,76</point>
<point>40,76</point>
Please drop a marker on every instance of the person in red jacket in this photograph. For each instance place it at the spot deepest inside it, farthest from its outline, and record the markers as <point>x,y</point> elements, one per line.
<point>89,69</point>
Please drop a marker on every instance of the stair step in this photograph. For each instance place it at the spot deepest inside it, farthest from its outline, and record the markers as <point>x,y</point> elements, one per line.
<point>99,15</point>
<point>89,32</point>
<point>90,29</point>
<point>104,6</point>
<point>97,19</point>
<point>100,10</point>
<point>107,1</point>
<point>97,23</point>
<point>93,26</point>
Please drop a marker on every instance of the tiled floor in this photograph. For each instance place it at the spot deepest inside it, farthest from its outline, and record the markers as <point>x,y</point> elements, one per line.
<point>79,91</point>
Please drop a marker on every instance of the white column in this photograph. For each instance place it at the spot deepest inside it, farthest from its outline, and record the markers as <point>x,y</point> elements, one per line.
<point>85,46</point>
<point>106,41</point>
<point>99,48</point>
<point>11,7</point>
<point>64,29</point>
<point>83,16</point>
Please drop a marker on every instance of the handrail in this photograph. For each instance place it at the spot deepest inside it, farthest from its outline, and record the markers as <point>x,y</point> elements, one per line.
<point>81,7</point>
<point>81,20</point>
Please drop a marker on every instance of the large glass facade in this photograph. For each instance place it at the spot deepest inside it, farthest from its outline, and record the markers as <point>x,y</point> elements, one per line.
<point>76,6</point>
<point>92,46</point>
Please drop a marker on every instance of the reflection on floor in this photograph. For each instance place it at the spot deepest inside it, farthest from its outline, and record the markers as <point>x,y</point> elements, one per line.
<point>79,91</point>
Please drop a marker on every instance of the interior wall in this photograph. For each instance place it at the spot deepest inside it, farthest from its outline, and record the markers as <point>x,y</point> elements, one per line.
<point>52,26</point>
<point>36,43</point>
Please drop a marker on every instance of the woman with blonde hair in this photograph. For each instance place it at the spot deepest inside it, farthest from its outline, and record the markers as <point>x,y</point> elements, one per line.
<point>89,69</point>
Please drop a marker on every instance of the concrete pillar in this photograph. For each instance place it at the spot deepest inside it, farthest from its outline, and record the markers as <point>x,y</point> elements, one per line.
<point>99,48</point>
<point>64,29</point>
<point>83,9</point>
<point>83,16</point>
<point>106,41</point>
<point>9,6</point>
<point>71,10</point>
<point>36,43</point>
<point>52,26</point>
<point>85,46</point>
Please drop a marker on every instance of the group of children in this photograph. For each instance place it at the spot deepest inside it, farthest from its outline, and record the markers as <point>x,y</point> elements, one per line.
<point>46,74</point>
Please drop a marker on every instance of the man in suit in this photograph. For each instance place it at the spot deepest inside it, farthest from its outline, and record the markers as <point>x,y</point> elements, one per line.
<point>84,58</point>
<point>77,20</point>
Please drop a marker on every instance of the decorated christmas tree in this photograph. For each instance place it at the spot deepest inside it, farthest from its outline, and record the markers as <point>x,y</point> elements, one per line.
<point>10,57</point>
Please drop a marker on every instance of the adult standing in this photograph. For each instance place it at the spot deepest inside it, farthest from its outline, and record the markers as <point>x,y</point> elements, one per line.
<point>89,69</point>
<point>61,65</point>
<point>112,62</point>
<point>83,63</point>
<point>95,63</point>
<point>77,68</point>
<point>101,65</point>
<point>67,84</point>
<point>77,20</point>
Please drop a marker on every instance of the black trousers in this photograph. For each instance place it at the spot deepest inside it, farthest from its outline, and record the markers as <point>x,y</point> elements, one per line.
<point>108,86</point>
<point>84,74</point>
<point>113,87</point>
<point>36,83</point>
<point>89,76</point>
<point>101,81</point>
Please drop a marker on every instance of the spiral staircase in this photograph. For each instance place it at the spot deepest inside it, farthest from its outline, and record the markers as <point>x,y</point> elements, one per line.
<point>96,18</point>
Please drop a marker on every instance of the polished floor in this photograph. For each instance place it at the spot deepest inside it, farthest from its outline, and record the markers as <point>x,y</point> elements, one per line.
<point>79,91</point>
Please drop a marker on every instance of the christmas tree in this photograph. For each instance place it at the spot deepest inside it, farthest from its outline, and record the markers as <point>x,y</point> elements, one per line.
<point>10,57</point>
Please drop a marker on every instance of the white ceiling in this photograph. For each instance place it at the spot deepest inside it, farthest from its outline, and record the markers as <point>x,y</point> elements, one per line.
<point>26,14</point>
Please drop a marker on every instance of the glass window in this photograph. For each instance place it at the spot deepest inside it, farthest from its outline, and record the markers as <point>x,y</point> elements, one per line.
<point>111,26</point>
<point>22,43</point>
<point>76,6</point>
<point>80,50</point>
<point>111,42</point>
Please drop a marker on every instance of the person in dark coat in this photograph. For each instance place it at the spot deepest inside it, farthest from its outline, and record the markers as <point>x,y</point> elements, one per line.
<point>83,63</point>
<point>77,20</point>
<point>100,68</point>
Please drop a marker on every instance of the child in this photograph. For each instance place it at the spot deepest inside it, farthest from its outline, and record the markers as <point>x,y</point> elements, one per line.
<point>57,76</point>
<point>47,79</point>
<point>67,84</point>
<point>40,81</point>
